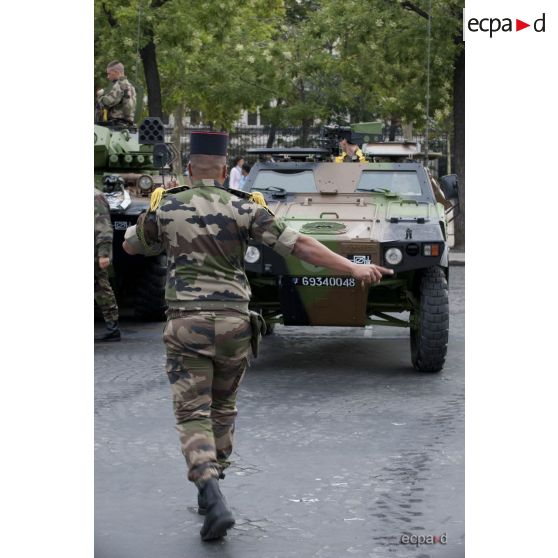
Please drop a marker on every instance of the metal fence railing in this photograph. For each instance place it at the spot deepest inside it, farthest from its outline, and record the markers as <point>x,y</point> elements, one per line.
<point>243,138</point>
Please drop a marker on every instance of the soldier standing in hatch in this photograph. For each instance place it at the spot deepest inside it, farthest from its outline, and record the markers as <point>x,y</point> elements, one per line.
<point>104,296</point>
<point>204,231</point>
<point>121,99</point>
<point>349,151</point>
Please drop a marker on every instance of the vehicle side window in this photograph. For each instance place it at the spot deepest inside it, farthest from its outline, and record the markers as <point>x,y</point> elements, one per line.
<point>288,180</point>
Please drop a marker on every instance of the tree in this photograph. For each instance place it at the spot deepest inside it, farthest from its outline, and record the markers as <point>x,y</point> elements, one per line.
<point>126,26</point>
<point>447,23</point>
<point>297,60</point>
<point>202,55</point>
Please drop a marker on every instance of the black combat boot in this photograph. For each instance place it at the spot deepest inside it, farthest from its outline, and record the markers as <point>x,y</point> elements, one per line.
<point>111,334</point>
<point>202,505</point>
<point>218,516</point>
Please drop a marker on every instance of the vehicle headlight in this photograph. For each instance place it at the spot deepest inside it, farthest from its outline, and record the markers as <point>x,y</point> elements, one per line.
<point>431,249</point>
<point>145,183</point>
<point>393,256</point>
<point>252,255</point>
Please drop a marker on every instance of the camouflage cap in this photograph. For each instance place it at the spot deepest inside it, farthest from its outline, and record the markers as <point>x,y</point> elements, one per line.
<point>209,143</point>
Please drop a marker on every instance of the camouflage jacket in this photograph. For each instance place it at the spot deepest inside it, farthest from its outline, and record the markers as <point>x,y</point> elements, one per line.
<point>120,100</point>
<point>103,227</point>
<point>204,232</point>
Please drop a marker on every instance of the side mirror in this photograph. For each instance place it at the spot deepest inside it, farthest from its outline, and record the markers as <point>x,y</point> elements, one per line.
<point>450,186</point>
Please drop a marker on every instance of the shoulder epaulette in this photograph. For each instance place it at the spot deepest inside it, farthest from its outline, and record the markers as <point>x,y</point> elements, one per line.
<point>177,189</point>
<point>159,193</point>
<point>255,197</point>
<point>240,193</point>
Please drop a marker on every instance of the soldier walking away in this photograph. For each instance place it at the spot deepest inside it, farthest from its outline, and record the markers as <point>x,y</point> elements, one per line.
<point>118,105</point>
<point>204,231</point>
<point>104,296</point>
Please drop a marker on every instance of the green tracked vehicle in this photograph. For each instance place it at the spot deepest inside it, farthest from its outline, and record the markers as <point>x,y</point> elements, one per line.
<point>383,211</point>
<point>129,165</point>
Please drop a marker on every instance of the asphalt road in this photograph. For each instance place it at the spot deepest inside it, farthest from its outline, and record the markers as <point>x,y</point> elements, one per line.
<point>341,449</point>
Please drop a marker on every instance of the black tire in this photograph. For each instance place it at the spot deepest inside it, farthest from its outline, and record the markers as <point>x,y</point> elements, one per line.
<point>150,293</point>
<point>430,329</point>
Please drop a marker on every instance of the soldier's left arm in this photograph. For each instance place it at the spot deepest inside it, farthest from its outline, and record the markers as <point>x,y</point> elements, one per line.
<point>113,97</point>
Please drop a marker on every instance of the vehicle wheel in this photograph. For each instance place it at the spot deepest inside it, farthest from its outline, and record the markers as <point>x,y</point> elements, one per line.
<point>150,294</point>
<point>429,332</point>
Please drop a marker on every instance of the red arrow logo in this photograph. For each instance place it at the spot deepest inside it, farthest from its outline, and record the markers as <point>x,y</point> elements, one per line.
<point>519,25</point>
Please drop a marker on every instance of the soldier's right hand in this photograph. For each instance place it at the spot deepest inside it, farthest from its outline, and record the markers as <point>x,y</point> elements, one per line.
<point>369,273</point>
<point>104,262</point>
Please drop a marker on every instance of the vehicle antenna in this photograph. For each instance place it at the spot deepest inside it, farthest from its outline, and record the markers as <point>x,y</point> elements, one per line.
<point>138,57</point>
<point>428,40</point>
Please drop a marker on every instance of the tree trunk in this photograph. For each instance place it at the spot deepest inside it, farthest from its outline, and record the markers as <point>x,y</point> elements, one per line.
<point>151,71</point>
<point>273,123</point>
<point>459,144</point>
<point>306,123</point>
<point>271,136</point>
<point>394,124</point>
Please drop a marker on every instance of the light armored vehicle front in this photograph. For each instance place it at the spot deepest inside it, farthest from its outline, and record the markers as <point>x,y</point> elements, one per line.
<point>384,213</point>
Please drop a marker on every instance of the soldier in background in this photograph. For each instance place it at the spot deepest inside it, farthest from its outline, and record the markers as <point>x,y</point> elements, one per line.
<point>120,101</point>
<point>104,296</point>
<point>349,151</point>
<point>204,231</point>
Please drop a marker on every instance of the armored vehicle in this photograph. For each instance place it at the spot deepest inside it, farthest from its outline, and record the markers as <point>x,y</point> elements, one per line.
<point>129,166</point>
<point>375,212</point>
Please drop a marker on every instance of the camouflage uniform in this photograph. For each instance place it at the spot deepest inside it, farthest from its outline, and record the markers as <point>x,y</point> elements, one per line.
<point>120,100</point>
<point>104,295</point>
<point>204,231</point>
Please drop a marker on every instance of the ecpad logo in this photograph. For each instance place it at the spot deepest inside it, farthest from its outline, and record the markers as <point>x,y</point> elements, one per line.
<point>494,24</point>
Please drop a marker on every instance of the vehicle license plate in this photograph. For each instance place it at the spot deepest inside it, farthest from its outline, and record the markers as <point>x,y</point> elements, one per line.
<point>307,281</point>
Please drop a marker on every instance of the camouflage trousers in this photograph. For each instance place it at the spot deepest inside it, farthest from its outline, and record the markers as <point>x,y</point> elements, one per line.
<point>207,356</point>
<point>104,296</point>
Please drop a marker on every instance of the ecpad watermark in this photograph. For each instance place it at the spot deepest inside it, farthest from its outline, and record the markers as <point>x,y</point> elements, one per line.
<point>494,24</point>
<point>419,540</point>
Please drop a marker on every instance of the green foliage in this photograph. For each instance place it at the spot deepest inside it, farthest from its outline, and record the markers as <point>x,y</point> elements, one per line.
<point>319,59</point>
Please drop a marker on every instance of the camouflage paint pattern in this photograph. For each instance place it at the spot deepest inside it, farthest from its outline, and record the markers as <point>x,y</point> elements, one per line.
<point>350,223</point>
<point>120,100</point>
<point>103,226</point>
<point>104,295</point>
<point>119,151</point>
<point>207,356</point>
<point>205,231</point>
